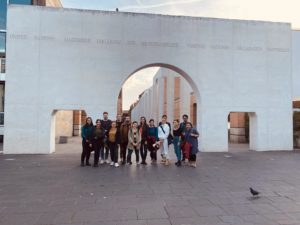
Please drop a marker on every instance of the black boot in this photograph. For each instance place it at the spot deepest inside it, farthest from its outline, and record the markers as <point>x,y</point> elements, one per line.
<point>82,164</point>
<point>88,164</point>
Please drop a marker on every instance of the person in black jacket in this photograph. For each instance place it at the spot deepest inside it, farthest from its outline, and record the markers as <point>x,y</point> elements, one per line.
<point>86,133</point>
<point>143,128</point>
<point>113,141</point>
<point>98,136</point>
<point>106,124</point>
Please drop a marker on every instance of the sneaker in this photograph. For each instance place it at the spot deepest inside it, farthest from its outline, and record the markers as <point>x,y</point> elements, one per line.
<point>167,162</point>
<point>138,163</point>
<point>129,163</point>
<point>112,163</point>
<point>193,164</point>
<point>101,161</point>
<point>116,164</point>
<point>107,161</point>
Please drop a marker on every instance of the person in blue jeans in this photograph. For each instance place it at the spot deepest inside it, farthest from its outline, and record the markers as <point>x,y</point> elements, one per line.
<point>177,132</point>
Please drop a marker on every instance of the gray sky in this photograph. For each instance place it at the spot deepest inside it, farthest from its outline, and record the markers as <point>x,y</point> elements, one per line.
<point>269,10</point>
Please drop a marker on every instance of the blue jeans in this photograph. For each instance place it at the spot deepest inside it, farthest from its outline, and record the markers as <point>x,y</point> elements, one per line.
<point>177,149</point>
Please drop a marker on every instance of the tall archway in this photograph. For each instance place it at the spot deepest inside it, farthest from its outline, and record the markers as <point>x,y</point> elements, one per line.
<point>171,90</point>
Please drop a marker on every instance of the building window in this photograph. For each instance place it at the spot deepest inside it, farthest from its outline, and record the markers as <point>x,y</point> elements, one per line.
<point>2,65</point>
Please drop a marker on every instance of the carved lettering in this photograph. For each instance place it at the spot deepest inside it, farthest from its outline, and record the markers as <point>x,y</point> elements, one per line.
<point>195,45</point>
<point>44,38</point>
<point>18,36</point>
<point>222,47</point>
<point>159,44</point>
<point>77,39</point>
<point>249,48</point>
<point>108,42</point>
<point>278,49</point>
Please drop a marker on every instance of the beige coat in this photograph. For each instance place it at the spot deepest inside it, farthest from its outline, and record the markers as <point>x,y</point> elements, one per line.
<point>130,139</point>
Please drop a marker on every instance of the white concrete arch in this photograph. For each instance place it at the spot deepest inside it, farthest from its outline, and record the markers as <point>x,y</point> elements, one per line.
<point>79,59</point>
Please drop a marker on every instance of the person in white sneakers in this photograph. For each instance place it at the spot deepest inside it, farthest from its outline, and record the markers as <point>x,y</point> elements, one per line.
<point>113,142</point>
<point>163,133</point>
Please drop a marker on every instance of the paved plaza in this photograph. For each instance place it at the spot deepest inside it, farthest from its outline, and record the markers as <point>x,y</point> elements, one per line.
<point>54,189</point>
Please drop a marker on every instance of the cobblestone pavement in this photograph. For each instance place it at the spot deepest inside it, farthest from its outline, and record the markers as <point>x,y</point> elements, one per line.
<point>54,189</point>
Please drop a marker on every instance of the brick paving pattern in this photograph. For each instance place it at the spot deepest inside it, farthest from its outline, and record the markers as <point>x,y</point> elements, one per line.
<point>55,190</point>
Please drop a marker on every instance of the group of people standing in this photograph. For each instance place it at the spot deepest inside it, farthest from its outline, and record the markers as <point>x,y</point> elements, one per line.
<point>107,137</point>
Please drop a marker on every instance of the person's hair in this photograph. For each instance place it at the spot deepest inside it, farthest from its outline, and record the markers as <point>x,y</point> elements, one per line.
<point>189,124</point>
<point>151,120</point>
<point>185,115</point>
<point>164,116</point>
<point>105,113</point>
<point>134,122</point>
<point>88,118</point>
<point>177,120</point>
<point>142,117</point>
<point>98,120</point>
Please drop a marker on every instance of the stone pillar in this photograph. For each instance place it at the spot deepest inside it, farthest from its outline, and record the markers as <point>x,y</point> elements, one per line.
<point>237,131</point>
<point>185,91</point>
<point>76,123</point>
<point>160,98</point>
<point>170,98</point>
<point>176,111</point>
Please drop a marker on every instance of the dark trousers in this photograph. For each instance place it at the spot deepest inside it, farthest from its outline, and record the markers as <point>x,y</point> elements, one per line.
<point>123,148</point>
<point>193,157</point>
<point>113,147</point>
<point>153,151</point>
<point>137,156</point>
<point>86,152</point>
<point>104,152</point>
<point>143,150</point>
<point>153,154</point>
<point>98,146</point>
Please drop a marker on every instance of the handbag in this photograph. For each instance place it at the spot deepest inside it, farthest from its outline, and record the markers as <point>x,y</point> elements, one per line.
<point>170,137</point>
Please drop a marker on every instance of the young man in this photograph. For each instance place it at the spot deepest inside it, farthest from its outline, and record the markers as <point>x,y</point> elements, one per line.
<point>106,124</point>
<point>124,138</point>
<point>163,133</point>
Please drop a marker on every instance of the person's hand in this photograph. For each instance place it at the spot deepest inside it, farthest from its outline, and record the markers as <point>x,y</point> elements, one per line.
<point>91,145</point>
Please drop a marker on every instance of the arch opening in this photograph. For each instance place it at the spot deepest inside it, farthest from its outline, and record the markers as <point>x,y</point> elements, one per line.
<point>66,130</point>
<point>172,92</point>
<point>241,131</point>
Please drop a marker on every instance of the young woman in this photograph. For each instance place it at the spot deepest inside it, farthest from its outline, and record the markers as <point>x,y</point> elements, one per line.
<point>113,142</point>
<point>152,140</point>
<point>86,133</point>
<point>134,141</point>
<point>177,132</point>
<point>143,128</point>
<point>98,137</point>
<point>191,136</point>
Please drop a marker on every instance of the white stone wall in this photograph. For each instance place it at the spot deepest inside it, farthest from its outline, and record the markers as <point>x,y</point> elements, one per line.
<point>79,59</point>
<point>296,64</point>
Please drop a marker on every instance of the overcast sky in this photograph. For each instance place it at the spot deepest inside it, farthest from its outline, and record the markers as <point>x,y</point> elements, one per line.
<point>269,10</point>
